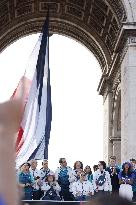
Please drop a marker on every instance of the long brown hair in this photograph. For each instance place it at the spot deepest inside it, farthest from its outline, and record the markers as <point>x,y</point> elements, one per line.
<point>80,163</point>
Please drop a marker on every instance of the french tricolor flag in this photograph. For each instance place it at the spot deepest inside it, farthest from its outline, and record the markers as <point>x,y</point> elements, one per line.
<point>34,133</point>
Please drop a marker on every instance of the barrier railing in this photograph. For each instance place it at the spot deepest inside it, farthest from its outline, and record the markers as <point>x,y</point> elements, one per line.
<point>44,202</point>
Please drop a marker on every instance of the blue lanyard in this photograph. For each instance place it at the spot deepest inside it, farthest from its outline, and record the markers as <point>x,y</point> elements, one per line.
<point>82,189</point>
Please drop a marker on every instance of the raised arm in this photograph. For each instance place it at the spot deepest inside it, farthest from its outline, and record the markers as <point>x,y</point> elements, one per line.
<point>10,117</point>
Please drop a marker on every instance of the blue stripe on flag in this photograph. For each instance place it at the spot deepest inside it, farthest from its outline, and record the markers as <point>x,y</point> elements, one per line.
<point>41,59</point>
<point>48,117</point>
<point>41,152</point>
<point>42,149</point>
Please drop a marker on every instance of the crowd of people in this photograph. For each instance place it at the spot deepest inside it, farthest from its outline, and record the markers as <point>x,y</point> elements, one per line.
<point>79,183</point>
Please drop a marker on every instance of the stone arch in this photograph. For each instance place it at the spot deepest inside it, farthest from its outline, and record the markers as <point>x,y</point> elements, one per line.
<point>61,28</point>
<point>94,23</point>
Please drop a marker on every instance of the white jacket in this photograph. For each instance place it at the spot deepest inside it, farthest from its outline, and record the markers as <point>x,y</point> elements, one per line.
<point>70,174</point>
<point>44,173</point>
<point>82,188</point>
<point>107,184</point>
<point>35,173</point>
<point>45,187</point>
<point>75,175</point>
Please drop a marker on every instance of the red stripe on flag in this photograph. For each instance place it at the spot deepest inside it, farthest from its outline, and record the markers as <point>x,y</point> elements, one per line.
<point>20,140</point>
<point>22,92</point>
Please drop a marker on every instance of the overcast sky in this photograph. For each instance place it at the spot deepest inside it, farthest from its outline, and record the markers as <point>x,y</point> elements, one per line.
<point>77,125</point>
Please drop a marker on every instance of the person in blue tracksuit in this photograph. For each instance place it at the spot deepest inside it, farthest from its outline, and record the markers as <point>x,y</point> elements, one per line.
<point>26,181</point>
<point>65,177</point>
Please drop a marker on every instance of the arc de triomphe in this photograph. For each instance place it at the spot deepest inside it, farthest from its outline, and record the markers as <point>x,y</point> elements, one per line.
<point>108,29</point>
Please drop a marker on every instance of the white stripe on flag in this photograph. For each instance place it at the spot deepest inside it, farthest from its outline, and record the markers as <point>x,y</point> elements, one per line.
<point>34,122</point>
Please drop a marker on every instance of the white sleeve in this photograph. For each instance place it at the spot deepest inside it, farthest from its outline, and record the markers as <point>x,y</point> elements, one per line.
<point>56,174</point>
<point>91,188</point>
<point>57,187</point>
<point>74,189</point>
<point>45,187</point>
<point>39,173</point>
<point>72,177</point>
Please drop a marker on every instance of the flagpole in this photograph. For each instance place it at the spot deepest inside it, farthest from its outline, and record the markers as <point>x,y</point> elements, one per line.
<point>48,14</point>
<point>46,142</point>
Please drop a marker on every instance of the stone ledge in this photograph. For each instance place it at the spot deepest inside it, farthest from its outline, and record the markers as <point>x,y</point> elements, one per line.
<point>113,139</point>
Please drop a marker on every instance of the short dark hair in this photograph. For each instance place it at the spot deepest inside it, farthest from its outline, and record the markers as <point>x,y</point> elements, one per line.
<point>48,175</point>
<point>60,160</point>
<point>44,160</point>
<point>132,160</point>
<point>103,164</point>
<point>113,157</point>
<point>28,164</point>
<point>95,167</point>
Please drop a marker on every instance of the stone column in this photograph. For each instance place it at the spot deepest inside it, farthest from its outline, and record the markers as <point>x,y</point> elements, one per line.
<point>116,149</point>
<point>128,102</point>
<point>116,130</point>
<point>107,145</point>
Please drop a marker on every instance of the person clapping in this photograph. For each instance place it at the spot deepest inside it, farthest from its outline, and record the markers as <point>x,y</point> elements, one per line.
<point>82,189</point>
<point>51,188</point>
